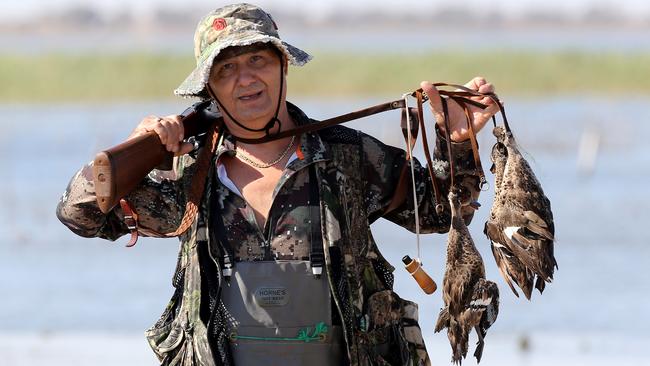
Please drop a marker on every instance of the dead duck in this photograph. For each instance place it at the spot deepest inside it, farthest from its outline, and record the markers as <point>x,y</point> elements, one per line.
<point>471,301</point>
<point>520,225</point>
<point>510,266</point>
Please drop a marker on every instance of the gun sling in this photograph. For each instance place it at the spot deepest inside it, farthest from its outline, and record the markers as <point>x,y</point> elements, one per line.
<point>112,184</point>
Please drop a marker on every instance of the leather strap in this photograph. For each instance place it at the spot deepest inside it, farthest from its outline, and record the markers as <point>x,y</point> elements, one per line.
<point>461,98</point>
<point>473,142</point>
<point>202,167</point>
<point>198,182</point>
<point>452,171</point>
<point>462,92</point>
<point>414,130</point>
<point>496,100</point>
<point>131,221</point>
<point>461,95</point>
<point>326,123</point>
<point>427,154</point>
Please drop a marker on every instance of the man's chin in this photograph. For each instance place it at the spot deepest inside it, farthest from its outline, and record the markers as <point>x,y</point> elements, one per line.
<point>254,121</point>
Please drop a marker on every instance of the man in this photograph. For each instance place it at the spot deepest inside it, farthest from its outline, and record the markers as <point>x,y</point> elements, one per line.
<point>280,266</point>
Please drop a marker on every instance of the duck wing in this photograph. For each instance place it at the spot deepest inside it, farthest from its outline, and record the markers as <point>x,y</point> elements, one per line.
<point>484,308</point>
<point>457,333</point>
<point>527,240</point>
<point>509,265</point>
<point>443,320</point>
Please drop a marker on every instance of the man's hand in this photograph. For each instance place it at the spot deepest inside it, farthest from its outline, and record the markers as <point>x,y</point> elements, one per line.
<point>170,131</point>
<point>457,120</point>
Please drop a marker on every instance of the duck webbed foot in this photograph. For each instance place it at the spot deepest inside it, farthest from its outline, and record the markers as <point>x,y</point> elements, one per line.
<point>478,353</point>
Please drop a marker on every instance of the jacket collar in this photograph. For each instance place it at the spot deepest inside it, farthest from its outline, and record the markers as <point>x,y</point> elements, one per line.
<point>312,148</point>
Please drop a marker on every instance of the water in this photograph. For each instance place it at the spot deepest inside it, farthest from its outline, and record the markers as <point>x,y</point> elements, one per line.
<point>68,299</point>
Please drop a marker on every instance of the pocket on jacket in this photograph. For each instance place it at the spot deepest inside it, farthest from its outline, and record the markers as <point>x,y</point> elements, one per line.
<point>409,318</point>
<point>166,334</point>
<point>165,339</point>
<point>388,345</point>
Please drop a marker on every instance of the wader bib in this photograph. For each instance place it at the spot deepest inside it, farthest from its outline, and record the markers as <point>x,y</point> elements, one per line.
<point>281,315</point>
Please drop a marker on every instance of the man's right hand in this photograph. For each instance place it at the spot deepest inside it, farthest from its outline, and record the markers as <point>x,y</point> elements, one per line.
<point>170,131</point>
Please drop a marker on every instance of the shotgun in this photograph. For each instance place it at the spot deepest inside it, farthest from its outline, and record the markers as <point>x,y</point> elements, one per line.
<point>118,170</point>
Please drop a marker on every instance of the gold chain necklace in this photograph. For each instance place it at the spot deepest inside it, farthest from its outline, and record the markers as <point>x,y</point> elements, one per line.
<point>254,163</point>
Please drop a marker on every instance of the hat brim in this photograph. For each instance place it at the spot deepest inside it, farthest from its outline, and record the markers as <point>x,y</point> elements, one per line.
<point>194,85</point>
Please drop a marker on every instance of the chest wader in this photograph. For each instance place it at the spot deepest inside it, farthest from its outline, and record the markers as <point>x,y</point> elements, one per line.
<point>280,311</point>
<point>281,315</point>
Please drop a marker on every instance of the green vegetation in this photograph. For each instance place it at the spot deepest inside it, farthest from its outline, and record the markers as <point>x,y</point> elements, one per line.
<point>512,72</point>
<point>135,76</point>
<point>64,77</point>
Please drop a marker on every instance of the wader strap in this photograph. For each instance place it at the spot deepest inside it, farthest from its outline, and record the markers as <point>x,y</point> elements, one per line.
<point>316,253</point>
<point>227,256</point>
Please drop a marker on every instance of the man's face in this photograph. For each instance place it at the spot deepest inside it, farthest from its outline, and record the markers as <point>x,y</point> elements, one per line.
<point>247,82</point>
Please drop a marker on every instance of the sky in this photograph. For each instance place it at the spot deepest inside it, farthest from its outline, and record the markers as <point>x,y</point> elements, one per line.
<point>14,10</point>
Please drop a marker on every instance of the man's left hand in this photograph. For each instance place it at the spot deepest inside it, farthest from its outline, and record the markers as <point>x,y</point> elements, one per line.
<point>457,119</point>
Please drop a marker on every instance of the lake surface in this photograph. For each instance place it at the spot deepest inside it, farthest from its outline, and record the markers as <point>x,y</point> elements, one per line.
<point>68,300</point>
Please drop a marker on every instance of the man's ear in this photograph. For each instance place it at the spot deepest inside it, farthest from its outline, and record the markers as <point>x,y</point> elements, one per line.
<point>286,66</point>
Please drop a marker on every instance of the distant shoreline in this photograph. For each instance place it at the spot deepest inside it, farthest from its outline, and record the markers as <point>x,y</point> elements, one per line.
<point>54,77</point>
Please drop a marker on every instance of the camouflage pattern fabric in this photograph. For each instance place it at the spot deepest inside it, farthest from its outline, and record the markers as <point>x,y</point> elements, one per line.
<point>356,177</point>
<point>292,219</point>
<point>232,25</point>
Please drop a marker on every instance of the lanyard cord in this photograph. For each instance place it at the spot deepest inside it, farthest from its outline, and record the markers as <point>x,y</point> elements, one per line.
<point>411,160</point>
<point>270,124</point>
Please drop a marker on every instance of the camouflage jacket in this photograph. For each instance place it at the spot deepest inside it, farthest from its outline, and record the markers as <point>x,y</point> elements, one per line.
<point>380,328</point>
<point>293,219</point>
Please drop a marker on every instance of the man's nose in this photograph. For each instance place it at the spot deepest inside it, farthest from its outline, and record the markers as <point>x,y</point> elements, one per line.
<point>246,76</point>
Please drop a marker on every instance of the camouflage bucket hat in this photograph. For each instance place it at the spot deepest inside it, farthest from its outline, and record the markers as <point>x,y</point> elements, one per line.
<point>232,25</point>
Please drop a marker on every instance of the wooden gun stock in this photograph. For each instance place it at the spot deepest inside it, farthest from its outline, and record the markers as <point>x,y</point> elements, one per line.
<point>118,170</point>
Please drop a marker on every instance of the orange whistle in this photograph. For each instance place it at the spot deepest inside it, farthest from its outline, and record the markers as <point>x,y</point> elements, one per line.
<point>427,284</point>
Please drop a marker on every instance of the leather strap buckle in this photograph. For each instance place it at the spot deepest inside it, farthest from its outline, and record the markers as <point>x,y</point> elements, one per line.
<point>130,222</point>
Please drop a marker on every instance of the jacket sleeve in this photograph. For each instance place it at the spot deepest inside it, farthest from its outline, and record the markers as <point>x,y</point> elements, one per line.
<point>384,165</point>
<point>158,201</point>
